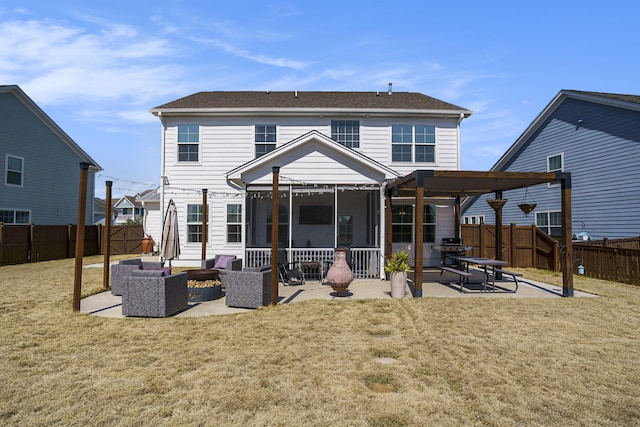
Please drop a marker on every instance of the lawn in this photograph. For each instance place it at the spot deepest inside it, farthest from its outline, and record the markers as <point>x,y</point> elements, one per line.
<point>409,362</point>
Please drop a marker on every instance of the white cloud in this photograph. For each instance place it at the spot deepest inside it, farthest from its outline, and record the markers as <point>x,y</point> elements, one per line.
<point>260,58</point>
<point>59,64</point>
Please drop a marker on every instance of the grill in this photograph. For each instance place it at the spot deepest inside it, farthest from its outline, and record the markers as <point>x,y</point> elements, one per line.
<point>451,246</point>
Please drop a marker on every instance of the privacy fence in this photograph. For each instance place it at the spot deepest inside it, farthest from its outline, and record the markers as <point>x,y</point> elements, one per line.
<point>522,246</point>
<point>617,260</point>
<point>21,244</point>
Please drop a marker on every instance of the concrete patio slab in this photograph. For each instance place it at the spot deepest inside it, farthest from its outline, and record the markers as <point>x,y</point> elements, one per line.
<point>435,286</point>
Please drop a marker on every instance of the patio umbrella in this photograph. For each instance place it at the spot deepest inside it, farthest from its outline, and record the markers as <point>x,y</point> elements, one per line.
<point>170,235</point>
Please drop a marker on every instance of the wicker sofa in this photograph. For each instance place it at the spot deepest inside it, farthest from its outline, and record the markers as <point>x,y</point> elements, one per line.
<point>149,293</point>
<point>250,288</point>
<point>121,271</point>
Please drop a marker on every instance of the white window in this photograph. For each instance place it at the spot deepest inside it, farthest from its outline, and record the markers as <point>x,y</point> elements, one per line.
<point>188,143</point>
<point>473,219</point>
<point>402,223</point>
<point>194,223</point>
<point>555,163</point>
<point>550,222</point>
<point>413,143</point>
<point>234,223</point>
<point>11,216</point>
<point>346,132</point>
<point>265,138</point>
<point>14,167</point>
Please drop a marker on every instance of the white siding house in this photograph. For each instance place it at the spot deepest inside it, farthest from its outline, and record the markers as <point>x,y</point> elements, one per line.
<point>335,152</point>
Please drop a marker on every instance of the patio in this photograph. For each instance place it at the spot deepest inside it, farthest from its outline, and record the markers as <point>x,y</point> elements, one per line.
<point>434,285</point>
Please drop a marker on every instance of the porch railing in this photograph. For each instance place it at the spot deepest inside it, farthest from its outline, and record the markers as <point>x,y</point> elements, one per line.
<point>365,262</point>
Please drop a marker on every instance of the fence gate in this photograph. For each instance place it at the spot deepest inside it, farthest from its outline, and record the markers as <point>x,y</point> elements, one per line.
<point>126,239</point>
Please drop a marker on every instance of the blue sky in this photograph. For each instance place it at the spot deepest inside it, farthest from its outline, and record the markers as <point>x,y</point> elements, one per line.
<point>97,67</point>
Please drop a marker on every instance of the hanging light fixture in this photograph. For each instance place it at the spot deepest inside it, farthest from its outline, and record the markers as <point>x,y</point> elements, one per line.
<point>526,206</point>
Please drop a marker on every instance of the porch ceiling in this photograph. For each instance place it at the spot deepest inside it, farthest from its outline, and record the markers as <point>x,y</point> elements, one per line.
<point>441,183</point>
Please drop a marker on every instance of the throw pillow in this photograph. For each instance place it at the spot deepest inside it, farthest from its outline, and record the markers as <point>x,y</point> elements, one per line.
<point>223,261</point>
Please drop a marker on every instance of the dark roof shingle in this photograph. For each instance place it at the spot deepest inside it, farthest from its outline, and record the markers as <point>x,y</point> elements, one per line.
<point>303,99</point>
<point>620,97</point>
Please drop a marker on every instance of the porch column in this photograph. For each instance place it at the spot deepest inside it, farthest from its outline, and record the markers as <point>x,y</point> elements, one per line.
<point>203,253</point>
<point>566,256</point>
<point>457,218</point>
<point>274,235</point>
<point>106,238</point>
<point>419,227</point>
<point>499,232</point>
<point>388,237</point>
<point>82,208</point>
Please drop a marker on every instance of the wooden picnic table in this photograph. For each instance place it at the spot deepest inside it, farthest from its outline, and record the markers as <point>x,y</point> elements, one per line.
<point>488,266</point>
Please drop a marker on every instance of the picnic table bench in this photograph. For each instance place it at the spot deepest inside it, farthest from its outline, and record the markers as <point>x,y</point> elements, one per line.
<point>514,275</point>
<point>461,274</point>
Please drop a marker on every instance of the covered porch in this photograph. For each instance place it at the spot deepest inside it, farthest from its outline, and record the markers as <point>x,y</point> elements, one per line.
<point>313,220</point>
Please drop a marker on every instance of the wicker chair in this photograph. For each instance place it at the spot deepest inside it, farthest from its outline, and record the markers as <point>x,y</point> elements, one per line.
<point>152,294</point>
<point>233,263</point>
<point>250,288</point>
<point>121,271</point>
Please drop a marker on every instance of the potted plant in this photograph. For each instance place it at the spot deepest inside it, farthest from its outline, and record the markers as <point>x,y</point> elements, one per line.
<point>397,265</point>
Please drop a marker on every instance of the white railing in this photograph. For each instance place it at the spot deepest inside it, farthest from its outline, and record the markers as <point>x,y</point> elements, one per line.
<point>365,262</point>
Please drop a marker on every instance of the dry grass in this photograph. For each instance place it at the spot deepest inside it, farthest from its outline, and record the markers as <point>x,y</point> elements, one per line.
<point>410,362</point>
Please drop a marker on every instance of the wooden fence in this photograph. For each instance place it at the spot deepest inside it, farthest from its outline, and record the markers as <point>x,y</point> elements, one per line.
<point>21,244</point>
<point>522,246</point>
<point>602,261</point>
<point>616,260</point>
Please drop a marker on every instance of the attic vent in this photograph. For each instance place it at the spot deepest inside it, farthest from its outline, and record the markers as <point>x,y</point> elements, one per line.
<point>390,91</point>
<point>296,93</point>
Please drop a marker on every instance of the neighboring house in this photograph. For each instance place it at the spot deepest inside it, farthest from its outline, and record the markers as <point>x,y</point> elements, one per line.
<point>99,210</point>
<point>129,208</point>
<point>335,151</point>
<point>39,166</point>
<point>594,136</point>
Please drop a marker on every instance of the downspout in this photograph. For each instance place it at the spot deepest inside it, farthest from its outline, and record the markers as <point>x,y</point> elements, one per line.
<point>458,140</point>
<point>163,179</point>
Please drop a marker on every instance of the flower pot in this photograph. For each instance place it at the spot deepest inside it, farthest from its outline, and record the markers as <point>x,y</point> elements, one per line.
<point>398,280</point>
<point>147,245</point>
<point>340,275</point>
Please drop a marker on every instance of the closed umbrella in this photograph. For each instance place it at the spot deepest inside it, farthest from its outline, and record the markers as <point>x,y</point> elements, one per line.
<point>170,235</point>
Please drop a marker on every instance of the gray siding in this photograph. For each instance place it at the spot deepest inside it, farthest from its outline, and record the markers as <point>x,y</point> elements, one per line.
<point>602,153</point>
<point>51,169</point>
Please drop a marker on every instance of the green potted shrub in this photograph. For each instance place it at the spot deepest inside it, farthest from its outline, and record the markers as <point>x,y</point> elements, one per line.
<point>397,265</point>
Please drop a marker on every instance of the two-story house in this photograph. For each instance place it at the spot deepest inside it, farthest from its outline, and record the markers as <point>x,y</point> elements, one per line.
<point>336,152</point>
<point>594,136</point>
<point>39,165</point>
<point>128,209</point>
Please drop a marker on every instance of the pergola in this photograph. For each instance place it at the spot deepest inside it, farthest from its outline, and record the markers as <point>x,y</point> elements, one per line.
<point>459,184</point>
